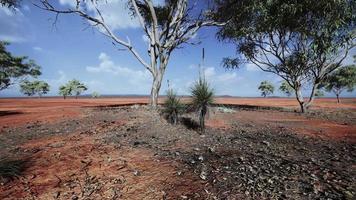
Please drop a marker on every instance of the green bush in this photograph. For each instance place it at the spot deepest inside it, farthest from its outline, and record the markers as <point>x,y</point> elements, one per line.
<point>202,98</point>
<point>172,107</point>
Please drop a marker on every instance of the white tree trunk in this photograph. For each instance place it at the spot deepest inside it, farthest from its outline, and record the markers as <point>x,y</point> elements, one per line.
<point>300,99</point>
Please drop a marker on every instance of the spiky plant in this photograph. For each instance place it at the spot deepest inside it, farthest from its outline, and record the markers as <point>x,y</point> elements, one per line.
<point>10,169</point>
<point>202,98</point>
<point>172,107</point>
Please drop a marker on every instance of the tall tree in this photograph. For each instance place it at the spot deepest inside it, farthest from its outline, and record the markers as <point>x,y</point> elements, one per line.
<point>302,41</point>
<point>35,87</point>
<point>166,26</point>
<point>341,80</point>
<point>13,68</point>
<point>266,88</point>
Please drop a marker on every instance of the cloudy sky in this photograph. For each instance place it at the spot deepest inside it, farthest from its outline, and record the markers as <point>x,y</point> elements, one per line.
<point>70,49</point>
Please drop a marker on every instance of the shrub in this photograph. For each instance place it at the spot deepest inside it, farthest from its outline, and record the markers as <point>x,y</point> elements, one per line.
<point>172,107</point>
<point>202,98</point>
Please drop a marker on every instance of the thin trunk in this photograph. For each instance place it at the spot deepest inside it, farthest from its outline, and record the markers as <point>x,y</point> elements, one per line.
<point>338,99</point>
<point>312,96</point>
<point>300,99</point>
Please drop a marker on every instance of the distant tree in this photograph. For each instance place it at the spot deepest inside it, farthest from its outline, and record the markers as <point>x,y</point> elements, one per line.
<point>76,87</point>
<point>41,88</point>
<point>301,41</point>
<point>27,88</point>
<point>286,88</point>
<point>35,87</point>
<point>172,107</point>
<point>266,88</point>
<point>202,98</point>
<point>95,95</point>
<point>319,93</point>
<point>65,91</point>
<point>13,68</point>
<point>167,26</point>
<point>341,80</point>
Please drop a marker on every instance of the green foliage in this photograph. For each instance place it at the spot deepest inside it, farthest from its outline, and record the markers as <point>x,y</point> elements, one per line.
<point>286,88</point>
<point>266,88</point>
<point>298,40</point>
<point>172,107</point>
<point>77,87</point>
<point>342,79</point>
<point>319,93</point>
<point>65,91</point>
<point>72,87</point>
<point>12,67</point>
<point>35,87</point>
<point>95,95</point>
<point>202,97</point>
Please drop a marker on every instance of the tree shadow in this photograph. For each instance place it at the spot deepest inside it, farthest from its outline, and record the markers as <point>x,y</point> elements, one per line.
<point>189,123</point>
<point>5,113</point>
<point>12,168</point>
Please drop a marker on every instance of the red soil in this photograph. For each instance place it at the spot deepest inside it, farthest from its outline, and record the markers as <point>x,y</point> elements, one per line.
<point>20,111</point>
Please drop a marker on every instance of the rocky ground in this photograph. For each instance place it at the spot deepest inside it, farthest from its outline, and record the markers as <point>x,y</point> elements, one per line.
<point>133,153</point>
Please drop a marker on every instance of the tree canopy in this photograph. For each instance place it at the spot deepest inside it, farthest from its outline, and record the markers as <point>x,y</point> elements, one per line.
<point>302,41</point>
<point>266,88</point>
<point>72,87</point>
<point>31,88</point>
<point>286,88</point>
<point>13,68</point>
<point>341,80</point>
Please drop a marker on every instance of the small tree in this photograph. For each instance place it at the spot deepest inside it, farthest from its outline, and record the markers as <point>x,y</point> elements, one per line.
<point>41,88</point>
<point>27,88</point>
<point>319,93</point>
<point>65,91</point>
<point>266,88</point>
<point>202,98</point>
<point>95,95</point>
<point>342,79</point>
<point>35,87</point>
<point>172,107</point>
<point>13,68</point>
<point>76,87</point>
<point>286,88</point>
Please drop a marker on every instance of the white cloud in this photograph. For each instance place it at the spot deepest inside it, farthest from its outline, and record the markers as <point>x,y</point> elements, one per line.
<point>37,49</point>
<point>251,67</point>
<point>115,12</point>
<point>127,75</point>
<point>145,39</point>
<point>26,8</point>
<point>13,25</point>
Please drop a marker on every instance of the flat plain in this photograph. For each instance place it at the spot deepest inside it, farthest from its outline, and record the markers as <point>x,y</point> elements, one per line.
<point>118,148</point>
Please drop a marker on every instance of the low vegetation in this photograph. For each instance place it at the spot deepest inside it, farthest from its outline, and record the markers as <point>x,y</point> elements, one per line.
<point>202,98</point>
<point>172,107</point>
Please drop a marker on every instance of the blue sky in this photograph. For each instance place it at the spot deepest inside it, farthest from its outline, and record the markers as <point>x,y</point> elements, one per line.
<point>71,50</point>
